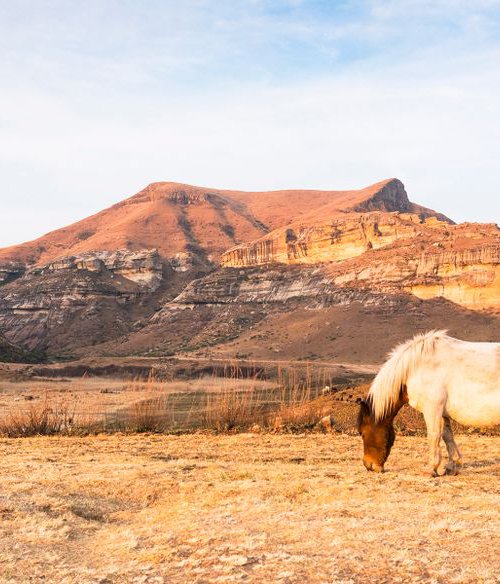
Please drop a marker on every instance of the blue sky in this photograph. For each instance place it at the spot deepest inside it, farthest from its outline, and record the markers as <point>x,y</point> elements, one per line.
<point>100,97</point>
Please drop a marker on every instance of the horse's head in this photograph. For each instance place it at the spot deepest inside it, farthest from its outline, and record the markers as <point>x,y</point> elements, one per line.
<point>378,438</point>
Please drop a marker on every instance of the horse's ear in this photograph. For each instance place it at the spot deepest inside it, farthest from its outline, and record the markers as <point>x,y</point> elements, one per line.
<point>364,405</point>
<point>364,409</point>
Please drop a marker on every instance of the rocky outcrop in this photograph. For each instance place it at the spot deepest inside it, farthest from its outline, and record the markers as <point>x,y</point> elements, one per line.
<point>333,240</point>
<point>9,271</point>
<point>89,298</point>
<point>274,285</point>
<point>392,197</point>
<point>468,276</point>
<point>50,307</point>
<point>143,267</point>
<point>391,252</point>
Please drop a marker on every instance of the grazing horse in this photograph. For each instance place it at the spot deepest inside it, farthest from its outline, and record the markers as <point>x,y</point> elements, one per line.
<point>442,377</point>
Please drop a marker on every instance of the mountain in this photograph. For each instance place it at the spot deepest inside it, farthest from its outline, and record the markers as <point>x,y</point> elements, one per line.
<point>175,218</point>
<point>178,268</point>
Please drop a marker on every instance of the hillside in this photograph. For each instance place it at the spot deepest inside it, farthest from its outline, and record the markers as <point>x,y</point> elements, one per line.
<point>11,353</point>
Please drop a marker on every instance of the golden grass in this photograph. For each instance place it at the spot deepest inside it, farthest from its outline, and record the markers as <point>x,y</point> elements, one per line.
<point>253,508</point>
<point>229,403</point>
<point>39,419</point>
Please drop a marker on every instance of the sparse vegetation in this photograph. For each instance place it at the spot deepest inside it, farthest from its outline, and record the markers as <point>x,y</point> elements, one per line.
<point>85,234</point>
<point>235,401</point>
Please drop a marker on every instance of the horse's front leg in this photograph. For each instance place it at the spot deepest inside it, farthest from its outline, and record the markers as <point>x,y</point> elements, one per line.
<point>434,419</point>
<point>454,456</point>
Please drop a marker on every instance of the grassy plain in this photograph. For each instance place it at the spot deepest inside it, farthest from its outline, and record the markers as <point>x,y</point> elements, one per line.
<point>246,507</point>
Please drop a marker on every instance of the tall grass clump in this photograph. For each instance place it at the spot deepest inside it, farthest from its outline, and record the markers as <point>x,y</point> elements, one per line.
<point>149,411</point>
<point>38,420</point>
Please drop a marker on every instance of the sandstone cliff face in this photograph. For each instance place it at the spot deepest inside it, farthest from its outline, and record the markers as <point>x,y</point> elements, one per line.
<point>393,251</point>
<point>143,267</point>
<point>460,268</point>
<point>338,239</point>
<point>274,285</point>
<point>333,232</point>
<point>86,298</point>
<point>64,303</point>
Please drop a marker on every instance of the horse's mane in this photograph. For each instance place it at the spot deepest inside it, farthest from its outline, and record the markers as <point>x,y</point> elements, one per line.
<point>387,385</point>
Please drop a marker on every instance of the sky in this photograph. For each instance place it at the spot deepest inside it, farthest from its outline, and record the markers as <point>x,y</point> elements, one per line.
<point>99,98</point>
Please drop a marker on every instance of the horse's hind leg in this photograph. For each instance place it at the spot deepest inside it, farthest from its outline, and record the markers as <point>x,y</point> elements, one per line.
<point>454,457</point>
<point>434,420</point>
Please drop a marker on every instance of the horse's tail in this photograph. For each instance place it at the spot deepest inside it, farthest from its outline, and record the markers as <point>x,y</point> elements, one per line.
<point>390,380</point>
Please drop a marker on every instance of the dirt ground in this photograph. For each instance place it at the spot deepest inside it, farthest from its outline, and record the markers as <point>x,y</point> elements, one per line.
<point>248,507</point>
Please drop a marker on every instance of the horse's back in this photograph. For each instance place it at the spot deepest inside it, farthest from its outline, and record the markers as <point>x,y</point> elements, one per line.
<point>465,377</point>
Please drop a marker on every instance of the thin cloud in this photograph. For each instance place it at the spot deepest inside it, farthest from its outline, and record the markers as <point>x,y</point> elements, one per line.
<point>95,104</point>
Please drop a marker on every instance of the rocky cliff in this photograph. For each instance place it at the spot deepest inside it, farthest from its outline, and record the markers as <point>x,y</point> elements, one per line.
<point>389,251</point>
<point>337,239</point>
<point>88,298</point>
<point>144,267</point>
<point>460,263</point>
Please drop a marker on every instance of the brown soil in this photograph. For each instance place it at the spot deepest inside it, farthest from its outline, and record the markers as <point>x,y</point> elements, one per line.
<point>352,333</point>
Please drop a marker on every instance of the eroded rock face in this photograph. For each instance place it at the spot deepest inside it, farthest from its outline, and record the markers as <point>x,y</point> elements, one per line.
<point>89,298</point>
<point>335,240</point>
<point>10,271</point>
<point>78,299</point>
<point>143,267</point>
<point>390,252</point>
<point>463,267</point>
<point>61,304</point>
<point>273,285</point>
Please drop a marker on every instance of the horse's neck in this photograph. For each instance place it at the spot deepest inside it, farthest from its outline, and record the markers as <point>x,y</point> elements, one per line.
<point>402,400</point>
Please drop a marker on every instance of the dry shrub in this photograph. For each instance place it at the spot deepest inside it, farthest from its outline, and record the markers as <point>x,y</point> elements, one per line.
<point>301,410</point>
<point>148,413</point>
<point>38,420</point>
<point>230,410</point>
<point>294,404</point>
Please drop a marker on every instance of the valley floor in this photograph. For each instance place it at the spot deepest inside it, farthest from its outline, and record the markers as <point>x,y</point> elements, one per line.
<point>250,508</point>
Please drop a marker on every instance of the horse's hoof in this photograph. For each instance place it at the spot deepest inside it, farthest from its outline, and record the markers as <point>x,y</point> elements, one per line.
<point>451,470</point>
<point>430,474</point>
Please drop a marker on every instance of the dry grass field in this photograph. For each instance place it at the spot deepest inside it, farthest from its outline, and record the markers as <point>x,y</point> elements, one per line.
<point>247,507</point>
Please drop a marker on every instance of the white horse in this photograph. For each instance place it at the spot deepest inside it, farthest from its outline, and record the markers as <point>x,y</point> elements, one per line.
<point>442,377</point>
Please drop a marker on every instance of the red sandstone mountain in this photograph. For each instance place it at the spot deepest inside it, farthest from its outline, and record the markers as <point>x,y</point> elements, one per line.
<point>174,218</point>
<point>177,268</point>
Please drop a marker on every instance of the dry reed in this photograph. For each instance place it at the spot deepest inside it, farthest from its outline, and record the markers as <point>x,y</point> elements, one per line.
<point>240,403</point>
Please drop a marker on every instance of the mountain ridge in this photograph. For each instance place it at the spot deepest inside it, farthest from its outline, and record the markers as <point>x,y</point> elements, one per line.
<point>174,217</point>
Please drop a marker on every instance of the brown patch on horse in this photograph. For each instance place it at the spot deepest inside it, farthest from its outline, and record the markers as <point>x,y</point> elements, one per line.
<point>378,437</point>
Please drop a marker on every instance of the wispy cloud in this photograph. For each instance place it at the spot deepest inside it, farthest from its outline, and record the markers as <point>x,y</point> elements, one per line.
<point>99,98</point>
